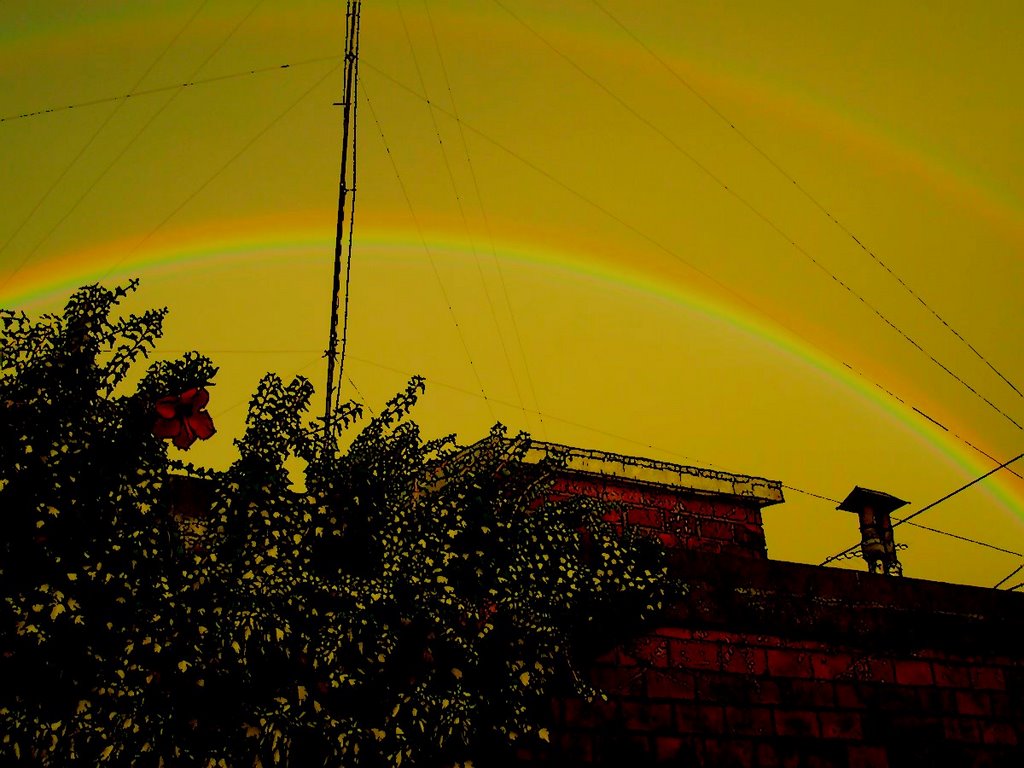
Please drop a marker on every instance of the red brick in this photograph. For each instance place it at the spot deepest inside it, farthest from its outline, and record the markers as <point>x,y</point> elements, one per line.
<point>867,757</point>
<point>767,756</point>
<point>961,729</point>
<point>910,672</point>
<point>715,529</point>
<point>647,716</point>
<point>767,692</point>
<point>711,719</point>
<point>998,733</point>
<point>668,502</point>
<point>729,752</point>
<point>680,633</point>
<point>695,654</point>
<point>1003,707</point>
<point>737,513</point>
<point>670,684</point>
<point>840,725</point>
<point>646,517</point>
<point>701,509</point>
<point>881,670</point>
<point>808,693</point>
<point>682,524</point>
<point>951,677</point>
<point>623,494</point>
<point>796,723</point>
<point>612,516</point>
<point>525,755</point>
<point>973,703</point>
<point>784,663</point>
<point>751,539</point>
<point>667,747</point>
<point>988,678</point>
<point>619,681</point>
<point>848,696</point>
<point>578,745</point>
<point>670,541</point>
<point>746,661</point>
<point>687,719</point>
<point>649,649</point>
<point>749,721</point>
<point>718,636</point>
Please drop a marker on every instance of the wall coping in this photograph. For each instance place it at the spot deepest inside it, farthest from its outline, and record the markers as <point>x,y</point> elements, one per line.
<point>697,480</point>
<point>837,605</point>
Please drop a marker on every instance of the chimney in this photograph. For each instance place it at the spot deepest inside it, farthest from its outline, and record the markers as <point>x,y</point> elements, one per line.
<point>876,542</point>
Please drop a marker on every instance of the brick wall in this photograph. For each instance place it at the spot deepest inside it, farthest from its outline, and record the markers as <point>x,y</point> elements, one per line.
<point>682,520</point>
<point>767,663</point>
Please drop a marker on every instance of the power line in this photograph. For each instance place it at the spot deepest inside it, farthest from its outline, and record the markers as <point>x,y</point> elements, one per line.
<point>915,525</point>
<point>224,166</point>
<point>803,190</point>
<point>1009,576</point>
<point>89,143</point>
<point>949,495</point>
<point>589,428</point>
<point>171,87</point>
<point>757,212</point>
<point>458,197</point>
<point>490,237</point>
<point>967,540</point>
<point>430,255</point>
<point>640,233</point>
<point>124,150</point>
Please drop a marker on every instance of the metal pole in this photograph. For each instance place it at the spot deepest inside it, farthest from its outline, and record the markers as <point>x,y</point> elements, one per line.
<point>351,47</point>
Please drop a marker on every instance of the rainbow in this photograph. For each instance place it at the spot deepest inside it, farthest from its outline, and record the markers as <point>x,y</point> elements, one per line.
<point>44,287</point>
<point>717,79</point>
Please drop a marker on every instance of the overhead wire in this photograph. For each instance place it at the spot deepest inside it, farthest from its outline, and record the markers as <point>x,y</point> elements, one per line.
<point>934,504</point>
<point>917,410</point>
<point>1008,576</point>
<point>804,191</point>
<point>171,87</point>
<point>461,124</point>
<point>458,200</point>
<point>965,539</point>
<point>429,252</point>
<point>637,231</point>
<point>131,142</point>
<point>756,211</point>
<point>221,168</point>
<point>487,230</point>
<point>623,438</point>
<point>88,144</point>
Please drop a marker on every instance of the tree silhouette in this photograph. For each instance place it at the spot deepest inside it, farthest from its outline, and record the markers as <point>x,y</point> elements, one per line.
<point>413,603</point>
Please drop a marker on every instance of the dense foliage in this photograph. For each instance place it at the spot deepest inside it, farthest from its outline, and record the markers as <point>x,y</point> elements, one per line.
<point>413,603</point>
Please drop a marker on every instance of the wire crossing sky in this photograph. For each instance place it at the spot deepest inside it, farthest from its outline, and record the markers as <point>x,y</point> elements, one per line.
<point>570,219</point>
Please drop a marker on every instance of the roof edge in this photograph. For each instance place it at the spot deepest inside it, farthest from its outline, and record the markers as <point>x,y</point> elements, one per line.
<point>708,482</point>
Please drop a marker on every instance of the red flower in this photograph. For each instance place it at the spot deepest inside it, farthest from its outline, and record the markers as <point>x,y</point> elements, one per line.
<point>183,417</point>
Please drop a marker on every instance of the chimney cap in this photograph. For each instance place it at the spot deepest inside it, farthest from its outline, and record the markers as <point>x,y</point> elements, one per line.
<point>859,498</point>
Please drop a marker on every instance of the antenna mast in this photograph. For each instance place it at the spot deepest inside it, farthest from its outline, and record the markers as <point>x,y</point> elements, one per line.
<point>348,142</point>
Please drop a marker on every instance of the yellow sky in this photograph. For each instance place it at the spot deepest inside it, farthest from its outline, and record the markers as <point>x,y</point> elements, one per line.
<point>612,239</point>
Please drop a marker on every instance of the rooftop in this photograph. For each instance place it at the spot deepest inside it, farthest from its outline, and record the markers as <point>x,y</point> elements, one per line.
<point>696,480</point>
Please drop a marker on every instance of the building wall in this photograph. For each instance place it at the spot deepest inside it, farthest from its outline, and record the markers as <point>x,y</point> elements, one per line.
<point>766,663</point>
<point>683,520</point>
